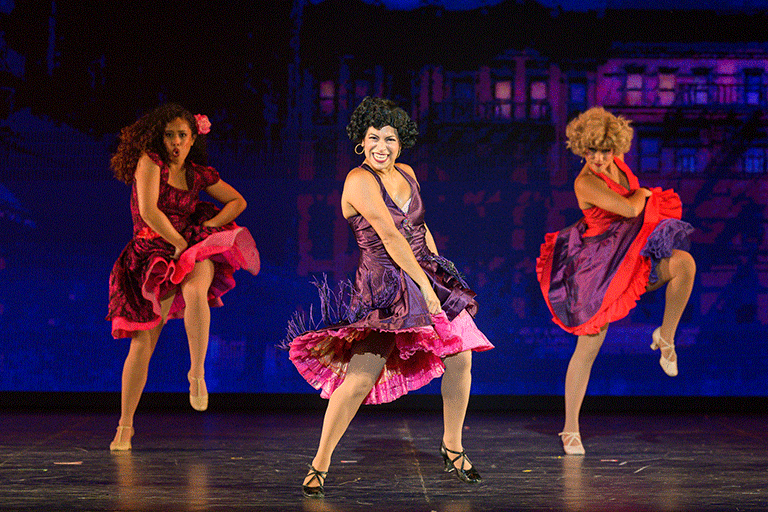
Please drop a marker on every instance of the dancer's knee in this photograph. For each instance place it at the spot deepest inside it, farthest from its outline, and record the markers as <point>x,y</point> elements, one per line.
<point>195,292</point>
<point>142,346</point>
<point>197,283</point>
<point>458,364</point>
<point>682,264</point>
<point>357,386</point>
<point>588,346</point>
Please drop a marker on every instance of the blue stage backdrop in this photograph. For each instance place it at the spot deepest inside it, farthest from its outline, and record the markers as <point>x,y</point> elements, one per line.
<point>61,236</point>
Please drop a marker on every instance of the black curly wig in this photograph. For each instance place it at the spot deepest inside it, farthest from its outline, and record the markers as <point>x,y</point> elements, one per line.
<point>380,112</point>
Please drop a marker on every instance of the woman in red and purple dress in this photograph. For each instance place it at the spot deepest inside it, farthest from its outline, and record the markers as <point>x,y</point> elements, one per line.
<point>630,241</point>
<point>409,319</point>
<point>183,252</point>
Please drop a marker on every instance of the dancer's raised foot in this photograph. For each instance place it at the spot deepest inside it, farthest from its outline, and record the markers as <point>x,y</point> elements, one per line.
<point>198,393</point>
<point>668,360</point>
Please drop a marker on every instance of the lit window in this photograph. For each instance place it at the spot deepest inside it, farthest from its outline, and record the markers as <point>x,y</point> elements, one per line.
<point>538,99</point>
<point>649,154</point>
<point>538,91</point>
<point>685,161</point>
<point>327,97</point>
<point>503,94</point>
<point>700,94</point>
<point>754,161</point>
<point>666,89</point>
<point>699,86</point>
<point>634,82</point>
<point>579,92</point>
<point>634,89</point>
<point>753,84</point>
<point>666,82</point>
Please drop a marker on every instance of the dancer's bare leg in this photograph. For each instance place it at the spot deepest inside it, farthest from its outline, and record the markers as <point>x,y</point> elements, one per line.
<point>677,272</point>
<point>577,376</point>
<point>197,320</point>
<point>364,368</point>
<point>136,365</point>
<point>455,387</point>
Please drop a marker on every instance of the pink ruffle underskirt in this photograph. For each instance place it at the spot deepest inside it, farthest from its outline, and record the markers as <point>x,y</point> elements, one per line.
<point>229,250</point>
<point>322,356</point>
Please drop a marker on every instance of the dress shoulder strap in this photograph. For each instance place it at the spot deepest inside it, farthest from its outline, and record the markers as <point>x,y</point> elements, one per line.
<point>410,179</point>
<point>378,178</point>
<point>634,184</point>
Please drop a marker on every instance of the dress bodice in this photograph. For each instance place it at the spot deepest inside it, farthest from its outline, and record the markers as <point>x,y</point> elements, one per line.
<point>177,204</point>
<point>410,223</point>
<point>598,219</point>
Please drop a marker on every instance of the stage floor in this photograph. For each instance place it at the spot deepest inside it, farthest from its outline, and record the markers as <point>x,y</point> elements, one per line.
<point>388,461</point>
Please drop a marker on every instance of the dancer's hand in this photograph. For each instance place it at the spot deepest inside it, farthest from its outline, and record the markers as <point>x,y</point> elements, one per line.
<point>645,192</point>
<point>180,249</point>
<point>433,303</point>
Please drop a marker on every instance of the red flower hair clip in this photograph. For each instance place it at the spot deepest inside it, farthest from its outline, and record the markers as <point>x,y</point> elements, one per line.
<point>203,124</point>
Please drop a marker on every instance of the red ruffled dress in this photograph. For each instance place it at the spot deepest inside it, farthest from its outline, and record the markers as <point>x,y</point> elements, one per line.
<point>593,272</point>
<point>385,299</point>
<point>145,271</point>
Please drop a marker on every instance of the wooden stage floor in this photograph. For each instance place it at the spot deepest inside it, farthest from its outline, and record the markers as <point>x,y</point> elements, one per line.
<point>388,461</point>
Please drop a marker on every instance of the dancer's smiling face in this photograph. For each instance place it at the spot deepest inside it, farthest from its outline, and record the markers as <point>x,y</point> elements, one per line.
<point>381,147</point>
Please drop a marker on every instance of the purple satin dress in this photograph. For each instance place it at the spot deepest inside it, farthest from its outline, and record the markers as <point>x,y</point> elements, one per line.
<point>384,298</point>
<point>594,271</point>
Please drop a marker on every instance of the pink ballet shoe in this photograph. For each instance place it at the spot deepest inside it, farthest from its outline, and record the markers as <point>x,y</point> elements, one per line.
<point>199,402</point>
<point>572,443</point>
<point>668,365</point>
<point>122,440</point>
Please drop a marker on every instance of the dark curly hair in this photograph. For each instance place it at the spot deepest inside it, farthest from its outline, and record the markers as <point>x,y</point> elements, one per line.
<point>380,112</point>
<point>146,135</point>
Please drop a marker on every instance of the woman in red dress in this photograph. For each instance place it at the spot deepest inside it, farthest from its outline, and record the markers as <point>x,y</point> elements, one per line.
<point>183,252</point>
<point>630,241</point>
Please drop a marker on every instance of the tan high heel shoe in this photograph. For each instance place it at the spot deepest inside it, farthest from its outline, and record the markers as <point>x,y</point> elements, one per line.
<point>198,402</point>
<point>668,365</point>
<point>572,443</point>
<point>122,440</point>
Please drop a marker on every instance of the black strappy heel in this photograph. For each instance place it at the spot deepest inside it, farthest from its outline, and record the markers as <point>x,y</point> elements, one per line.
<point>470,476</point>
<point>315,491</point>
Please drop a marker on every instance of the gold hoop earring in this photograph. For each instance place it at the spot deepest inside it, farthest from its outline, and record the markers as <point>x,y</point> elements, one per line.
<point>362,149</point>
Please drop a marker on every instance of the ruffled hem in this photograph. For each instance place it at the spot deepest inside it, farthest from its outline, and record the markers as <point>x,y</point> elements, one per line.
<point>124,328</point>
<point>617,309</point>
<point>669,235</point>
<point>322,356</point>
<point>229,250</point>
<point>233,247</point>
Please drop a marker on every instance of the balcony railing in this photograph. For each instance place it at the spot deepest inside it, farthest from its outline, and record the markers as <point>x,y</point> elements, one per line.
<point>720,94</point>
<point>495,111</point>
<point>693,95</point>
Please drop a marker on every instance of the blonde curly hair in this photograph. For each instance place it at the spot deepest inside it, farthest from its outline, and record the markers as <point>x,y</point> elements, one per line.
<point>597,128</point>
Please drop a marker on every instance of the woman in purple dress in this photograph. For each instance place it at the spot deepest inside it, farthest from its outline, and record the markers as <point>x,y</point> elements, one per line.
<point>631,240</point>
<point>183,252</point>
<point>409,319</point>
